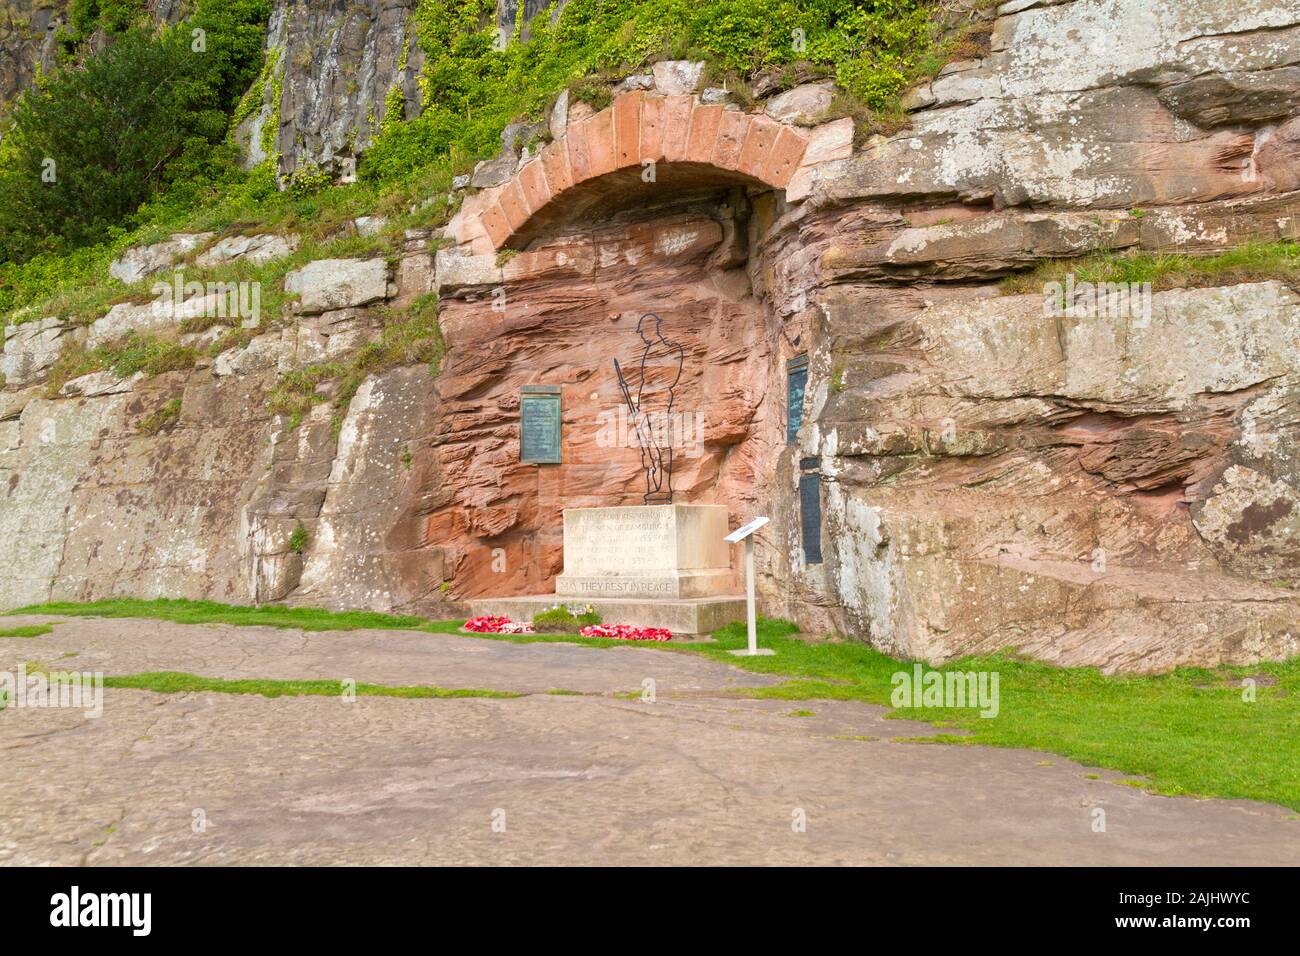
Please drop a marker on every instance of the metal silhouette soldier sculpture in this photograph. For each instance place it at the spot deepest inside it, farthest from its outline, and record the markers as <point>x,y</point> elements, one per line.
<point>656,443</point>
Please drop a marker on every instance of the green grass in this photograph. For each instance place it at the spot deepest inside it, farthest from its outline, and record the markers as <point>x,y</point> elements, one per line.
<point>32,630</point>
<point>210,612</point>
<point>1249,262</point>
<point>133,353</point>
<point>1184,732</point>
<point>175,682</point>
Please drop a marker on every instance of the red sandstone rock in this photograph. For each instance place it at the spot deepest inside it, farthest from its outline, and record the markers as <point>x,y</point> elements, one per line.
<point>555,162</point>
<point>578,150</point>
<point>758,145</point>
<point>496,224</point>
<point>703,138</point>
<point>787,153</point>
<point>533,180</point>
<point>732,131</point>
<point>654,112</point>
<point>627,129</point>
<point>677,126</point>
<point>600,144</point>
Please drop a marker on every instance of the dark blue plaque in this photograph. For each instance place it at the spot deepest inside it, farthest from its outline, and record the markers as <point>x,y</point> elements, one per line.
<point>796,381</point>
<point>539,424</point>
<point>810,517</point>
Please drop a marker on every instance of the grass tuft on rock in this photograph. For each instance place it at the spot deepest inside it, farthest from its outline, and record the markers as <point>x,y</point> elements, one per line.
<point>560,620</point>
<point>134,352</point>
<point>30,630</point>
<point>1249,262</point>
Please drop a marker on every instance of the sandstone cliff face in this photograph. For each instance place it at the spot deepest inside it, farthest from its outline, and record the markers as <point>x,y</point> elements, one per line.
<point>574,309</point>
<point>991,476</point>
<point>994,476</point>
<point>1093,488</point>
<point>186,485</point>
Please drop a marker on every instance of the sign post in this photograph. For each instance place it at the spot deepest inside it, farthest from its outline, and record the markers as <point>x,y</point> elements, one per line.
<point>746,534</point>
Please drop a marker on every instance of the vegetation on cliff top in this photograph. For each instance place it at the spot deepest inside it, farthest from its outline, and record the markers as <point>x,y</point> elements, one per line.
<point>184,175</point>
<point>473,89</point>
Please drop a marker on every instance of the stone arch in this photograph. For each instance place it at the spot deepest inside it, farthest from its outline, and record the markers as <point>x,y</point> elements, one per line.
<point>613,145</point>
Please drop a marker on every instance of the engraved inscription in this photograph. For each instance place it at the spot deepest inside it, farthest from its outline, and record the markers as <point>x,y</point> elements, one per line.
<point>796,384</point>
<point>620,586</point>
<point>635,539</point>
<point>539,428</point>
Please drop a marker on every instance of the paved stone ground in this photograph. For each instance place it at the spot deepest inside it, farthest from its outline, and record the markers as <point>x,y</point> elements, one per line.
<point>692,778</point>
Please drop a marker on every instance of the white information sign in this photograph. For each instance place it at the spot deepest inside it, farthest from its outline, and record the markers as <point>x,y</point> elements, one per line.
<point>746,533</point>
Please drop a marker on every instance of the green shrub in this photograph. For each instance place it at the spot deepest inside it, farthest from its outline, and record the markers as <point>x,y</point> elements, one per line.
<point>592,90</point>
<point>561,620</point>
<point>308,180</point>
<point>91,143</point>
<point>298,539</point>
<point>111,16</point>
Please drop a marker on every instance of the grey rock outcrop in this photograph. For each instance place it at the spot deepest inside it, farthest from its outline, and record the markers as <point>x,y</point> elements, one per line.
<point>1038,123</point>
<point>801,104</point>
<point>336,64</point>
<point>31,348</point>
<point>678,77</point>
<point>251,249</point>
<point>339,284</point>
<point>159,314</point>
<point>28,29</point>
<point>143,261</point>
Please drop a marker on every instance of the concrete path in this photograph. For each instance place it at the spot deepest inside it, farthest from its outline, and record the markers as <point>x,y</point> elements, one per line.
<point>697,778</point>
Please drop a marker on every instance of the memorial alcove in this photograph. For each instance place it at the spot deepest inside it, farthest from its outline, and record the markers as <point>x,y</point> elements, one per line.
<point>656,205</point>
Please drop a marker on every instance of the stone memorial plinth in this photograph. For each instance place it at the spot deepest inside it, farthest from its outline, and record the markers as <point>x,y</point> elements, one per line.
<point>645,565</point>
<point>650,551</point>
